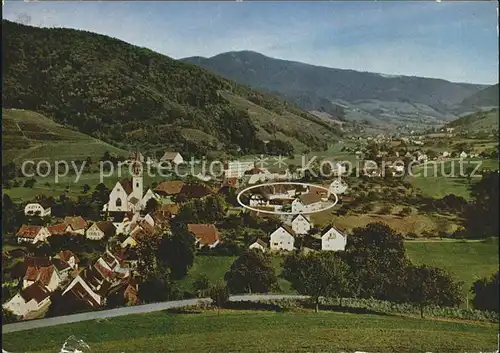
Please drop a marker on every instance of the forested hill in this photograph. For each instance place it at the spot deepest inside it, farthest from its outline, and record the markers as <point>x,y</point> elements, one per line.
<point>128,95</point>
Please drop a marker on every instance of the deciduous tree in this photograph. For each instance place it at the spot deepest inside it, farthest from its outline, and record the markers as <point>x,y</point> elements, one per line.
<point>252,272</point>
<point>323,274</point>
<point>427,285</point>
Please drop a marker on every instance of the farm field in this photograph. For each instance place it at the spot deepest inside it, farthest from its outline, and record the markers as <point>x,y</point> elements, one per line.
<point>414,223</point>
<point>259,331</point>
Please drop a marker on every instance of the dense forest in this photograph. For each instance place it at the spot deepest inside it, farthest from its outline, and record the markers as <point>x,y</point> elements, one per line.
<point>127,95</point>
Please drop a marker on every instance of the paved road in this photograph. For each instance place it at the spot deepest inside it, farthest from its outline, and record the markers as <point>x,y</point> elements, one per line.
<point>147,308</point>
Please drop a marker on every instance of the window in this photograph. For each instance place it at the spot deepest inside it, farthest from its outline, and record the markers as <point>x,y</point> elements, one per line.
<point>118,203</point>
<point>137,184</point>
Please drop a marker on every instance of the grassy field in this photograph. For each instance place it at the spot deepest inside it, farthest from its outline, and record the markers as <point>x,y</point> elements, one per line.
<point>251,331</point>
<point>440,179</point>
<point>214,267</point>
<point>466,261</point>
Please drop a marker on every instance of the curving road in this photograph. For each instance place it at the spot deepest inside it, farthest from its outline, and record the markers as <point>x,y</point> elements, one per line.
<point>138,309</point>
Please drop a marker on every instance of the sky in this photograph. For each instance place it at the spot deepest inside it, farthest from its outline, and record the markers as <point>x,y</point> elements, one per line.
<point>456,41</point>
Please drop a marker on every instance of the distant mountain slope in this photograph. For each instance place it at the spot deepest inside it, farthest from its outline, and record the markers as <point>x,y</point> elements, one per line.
<point>131,96</point>
<point>481,100</point>
<point>27,135</point>
<point>319,88</point>
<point>484,121</point>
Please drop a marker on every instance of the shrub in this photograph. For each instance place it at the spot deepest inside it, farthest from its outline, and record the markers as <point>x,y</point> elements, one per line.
<point>219,293</point>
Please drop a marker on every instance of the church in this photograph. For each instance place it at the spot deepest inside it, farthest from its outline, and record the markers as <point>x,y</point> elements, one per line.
<point>128,194</point>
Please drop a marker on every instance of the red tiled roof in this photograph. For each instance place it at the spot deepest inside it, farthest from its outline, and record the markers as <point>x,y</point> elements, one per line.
<point>195,191</point>
<point>45,274</point>
<point>31,274</point>
<point>170,187</point>
<point>318,190</point>
<point>66,255</point>
<point>309,198</point>
<point>57,229</point>
<point>41,274</point>
<point>35,291</point>
<point>104,271</point>
<point>76,223</point>
<point>207,234</point>
<point>28,231</point>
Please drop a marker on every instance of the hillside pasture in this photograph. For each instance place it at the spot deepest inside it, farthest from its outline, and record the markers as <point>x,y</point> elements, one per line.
<point>27,135</point>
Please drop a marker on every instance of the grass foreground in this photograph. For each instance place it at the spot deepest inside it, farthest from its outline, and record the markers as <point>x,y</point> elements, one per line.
<point>261,331</point>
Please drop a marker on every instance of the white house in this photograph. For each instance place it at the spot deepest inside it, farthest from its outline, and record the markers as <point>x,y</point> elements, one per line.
<point>236,169</point>
<point>305,203</point>
<point>259,245</point>
<point>31,299</point>
<point>301,224</point>
<point>172,157</point>
<point>282,239</point>
<point>100,229</point>
<point>338,186</point>
<point>333,240</point>
<point>32,234</point>
<point>47,276</point>
<point>463,155</point>
<point>36,209</point>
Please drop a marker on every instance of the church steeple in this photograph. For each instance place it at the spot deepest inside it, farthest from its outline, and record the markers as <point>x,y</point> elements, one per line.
<point>137,180</point>
<point>137,163</point>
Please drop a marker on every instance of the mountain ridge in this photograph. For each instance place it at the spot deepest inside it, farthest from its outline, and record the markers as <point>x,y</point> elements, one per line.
<point>319,88</point>
<point>128,95</point>
<point>384,75</point>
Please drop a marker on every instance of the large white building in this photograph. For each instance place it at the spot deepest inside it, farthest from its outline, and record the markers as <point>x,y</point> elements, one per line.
<point>305,203</point>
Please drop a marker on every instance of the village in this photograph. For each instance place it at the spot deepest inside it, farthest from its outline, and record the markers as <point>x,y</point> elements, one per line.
<point>126,216</point>
<point>133,212</point>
